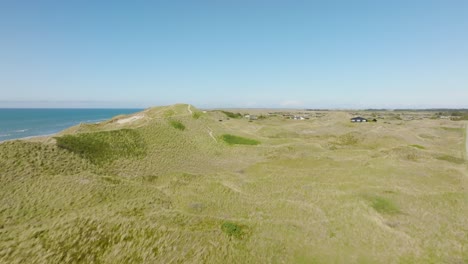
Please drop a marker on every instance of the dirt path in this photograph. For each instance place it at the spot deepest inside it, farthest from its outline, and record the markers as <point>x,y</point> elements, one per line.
<point>210,132</point>
<point>211,135</point>
<point>188,108</point>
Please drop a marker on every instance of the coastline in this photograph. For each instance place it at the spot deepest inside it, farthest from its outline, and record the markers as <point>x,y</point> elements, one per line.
<point>37,124</point>
<point>38,137</point>
<point>48,136</point>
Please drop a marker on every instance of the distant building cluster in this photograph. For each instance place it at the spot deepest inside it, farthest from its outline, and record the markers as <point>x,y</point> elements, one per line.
<point>296,117</point>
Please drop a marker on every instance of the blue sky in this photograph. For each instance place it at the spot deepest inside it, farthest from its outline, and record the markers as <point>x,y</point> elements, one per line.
<point>337,54</point>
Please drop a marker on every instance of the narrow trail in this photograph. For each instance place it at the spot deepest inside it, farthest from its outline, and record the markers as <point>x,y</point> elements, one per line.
<point>210,132</point>
<point>188,108</point>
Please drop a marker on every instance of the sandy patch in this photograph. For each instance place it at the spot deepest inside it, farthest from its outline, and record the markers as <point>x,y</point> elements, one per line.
<point>130,119</point>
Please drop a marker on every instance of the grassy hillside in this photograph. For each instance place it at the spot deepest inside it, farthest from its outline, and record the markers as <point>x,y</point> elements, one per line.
<point>168,186</point>
<point>105,146</point>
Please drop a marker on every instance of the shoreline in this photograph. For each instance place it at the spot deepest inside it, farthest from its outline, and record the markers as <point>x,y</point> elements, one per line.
<point>50,135</point>
<point>56,121</point>
<point>29,137</point>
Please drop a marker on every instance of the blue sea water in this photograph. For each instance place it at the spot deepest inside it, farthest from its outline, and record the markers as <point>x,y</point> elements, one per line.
<point>20,123</point>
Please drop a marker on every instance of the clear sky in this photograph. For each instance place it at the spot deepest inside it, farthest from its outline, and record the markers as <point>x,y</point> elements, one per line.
<point>239,53</point>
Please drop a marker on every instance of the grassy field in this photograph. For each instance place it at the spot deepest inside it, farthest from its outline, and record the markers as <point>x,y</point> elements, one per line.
<point>173,186</point>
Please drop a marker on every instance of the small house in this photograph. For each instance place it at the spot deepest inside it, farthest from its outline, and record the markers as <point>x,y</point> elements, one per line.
<point>358,119</point>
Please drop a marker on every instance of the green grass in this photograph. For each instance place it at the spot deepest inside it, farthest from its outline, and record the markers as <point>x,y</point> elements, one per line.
<point>232,229</point>
<point>106,146</point>
<point>177,125</point>
<point>384,205</point>
<point>236,140</point>
<point>232,115</point>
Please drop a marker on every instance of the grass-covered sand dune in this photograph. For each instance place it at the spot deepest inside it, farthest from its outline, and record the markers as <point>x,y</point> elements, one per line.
<point>176,185</point>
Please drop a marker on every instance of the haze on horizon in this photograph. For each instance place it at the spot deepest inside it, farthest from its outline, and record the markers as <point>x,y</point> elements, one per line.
<point>315,54</point>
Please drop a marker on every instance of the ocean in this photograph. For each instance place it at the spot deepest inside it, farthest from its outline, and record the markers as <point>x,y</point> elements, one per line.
<point>21,123</point>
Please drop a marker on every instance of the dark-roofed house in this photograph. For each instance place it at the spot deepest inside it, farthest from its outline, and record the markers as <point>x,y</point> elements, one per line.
<point>358,119</point>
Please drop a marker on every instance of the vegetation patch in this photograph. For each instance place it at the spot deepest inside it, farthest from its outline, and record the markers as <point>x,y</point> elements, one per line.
<point>235,140</point>
<point>232,115</point>
<point>417,146</point>
<point>105,146</point>
<point>347,140</point>
<point>177,125</point>
<point>85,241</point>
<point>19,159</point>
<point>383,205</point>
<point>450,159</point>
<point>232,229</point>
<point>196,115</point>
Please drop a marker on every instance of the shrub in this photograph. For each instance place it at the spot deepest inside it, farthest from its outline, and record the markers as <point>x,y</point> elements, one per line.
<point>177,125</point>
<point>232,115</point>
<point>232,229</point>
<point>235,140</point>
